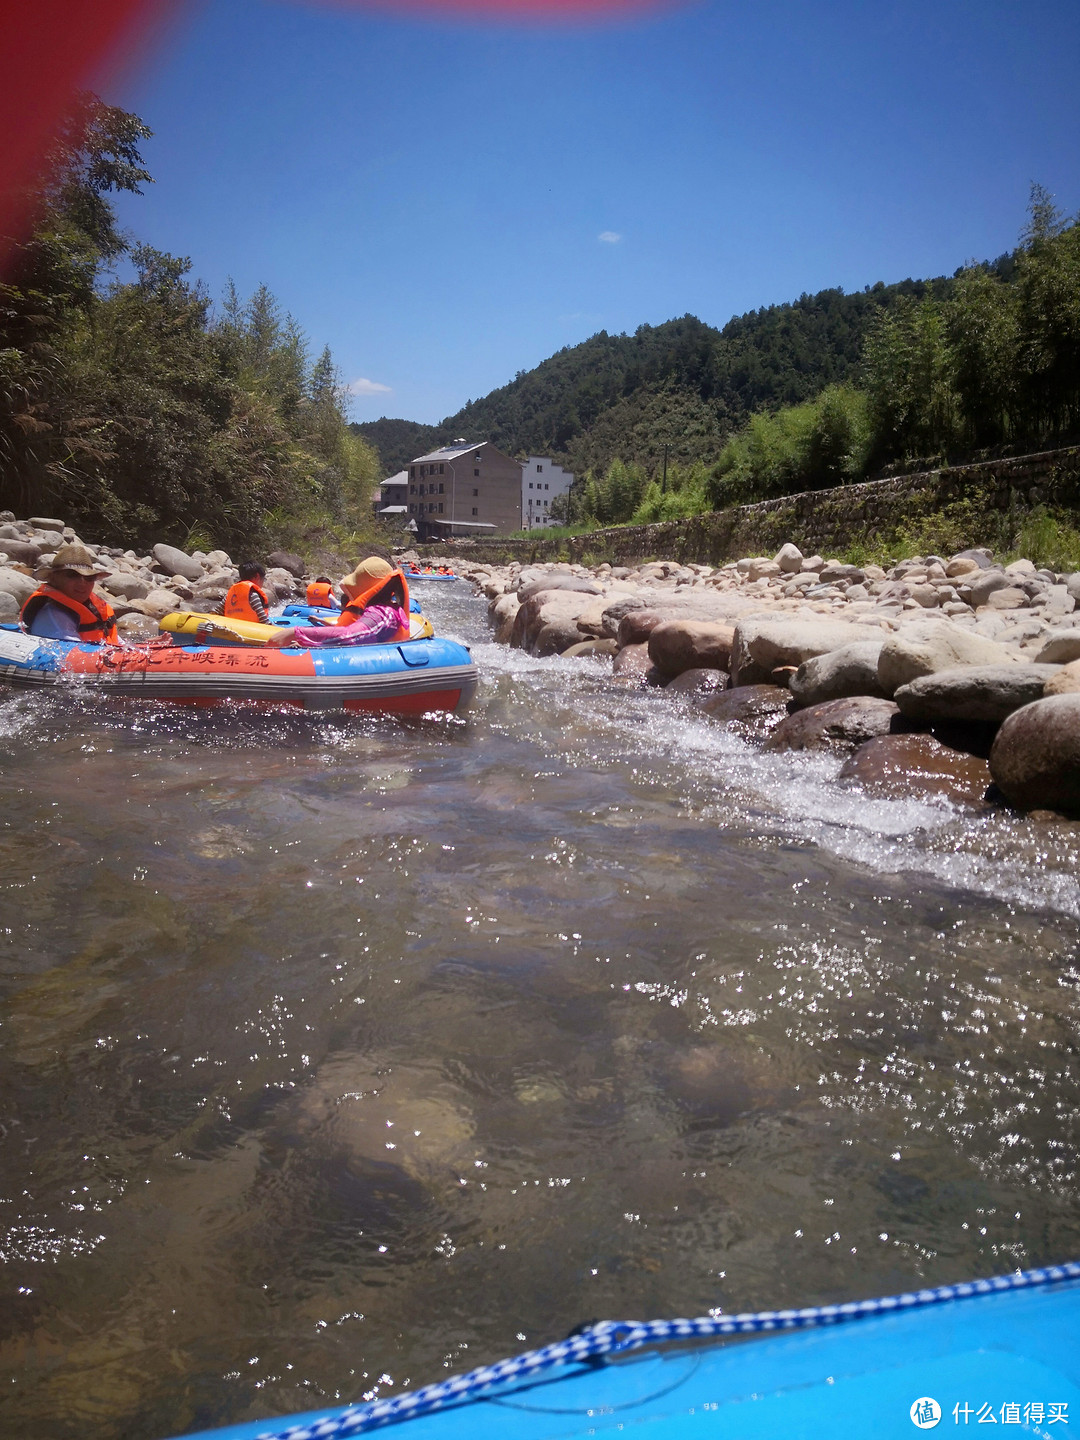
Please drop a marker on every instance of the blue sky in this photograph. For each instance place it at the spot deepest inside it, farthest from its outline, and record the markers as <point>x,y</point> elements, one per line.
<point>448,202</point>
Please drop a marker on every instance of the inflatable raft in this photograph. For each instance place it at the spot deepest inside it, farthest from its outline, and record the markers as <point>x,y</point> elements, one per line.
<point>399,679</point>
<point>192,627</point>
<point>1002,1352</point>
<point>411,575</point>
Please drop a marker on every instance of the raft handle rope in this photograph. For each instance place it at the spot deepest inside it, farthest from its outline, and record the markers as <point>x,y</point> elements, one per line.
<point>610,1337</point>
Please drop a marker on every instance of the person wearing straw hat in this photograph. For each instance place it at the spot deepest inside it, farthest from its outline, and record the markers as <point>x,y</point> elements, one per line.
<point>376,610</point>
<point>64,606</point>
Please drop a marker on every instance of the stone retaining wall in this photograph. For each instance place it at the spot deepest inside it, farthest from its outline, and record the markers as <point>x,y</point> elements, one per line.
<point>985,501</point>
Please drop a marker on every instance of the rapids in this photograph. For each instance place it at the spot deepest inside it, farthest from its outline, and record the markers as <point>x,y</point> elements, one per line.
<point>337,1053</point>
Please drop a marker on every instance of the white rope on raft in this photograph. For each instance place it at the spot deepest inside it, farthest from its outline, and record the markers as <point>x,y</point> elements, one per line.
<point>610,1337</point>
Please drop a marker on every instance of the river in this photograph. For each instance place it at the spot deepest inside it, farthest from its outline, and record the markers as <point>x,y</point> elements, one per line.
<point>338,1053</point>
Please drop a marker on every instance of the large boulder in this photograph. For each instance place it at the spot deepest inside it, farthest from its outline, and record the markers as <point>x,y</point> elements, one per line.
<point>1066,681</point>
<point>926,646</point>
<point>699,682</point>
<point>976,589</point>
<point>591,647</point>
<point>124,583</point>
<point>1035,760</point>
<point>9,607</point>
<point>899,766</point>
<point>24,552</point>
<point>635,626</point>
<point>632,663</point>
<point>175,562</point>
<point>157,603</point>
<point>983,694</point>
<point>751,710</point>
<point>851,670</point>
<point>1061,647</point>
<point>549,608</point>
<point>18,585</point>
<point>678,645</point>
<point>835,725</point>
<point>762,645</point>
<point>789,557</point>
<point>559,582</point>
<point>285,560</point>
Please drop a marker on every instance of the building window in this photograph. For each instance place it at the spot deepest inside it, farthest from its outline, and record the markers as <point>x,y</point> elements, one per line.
<point>476,492</point>
<point>539,469</point>
<point>530,484</point>
<point>476,472</point>
<point>440,507</point>
<point>475,511</point>
<point>442,469</point>
<point>547,487</point>
<point>440,487</point>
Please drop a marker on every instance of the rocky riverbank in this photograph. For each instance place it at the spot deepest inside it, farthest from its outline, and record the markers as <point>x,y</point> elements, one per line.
<point>140,588</point>
<point>950,675</point>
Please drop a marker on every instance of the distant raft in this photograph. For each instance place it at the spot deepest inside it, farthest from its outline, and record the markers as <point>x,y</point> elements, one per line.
<point>411,575</point>
<point>410,678</point>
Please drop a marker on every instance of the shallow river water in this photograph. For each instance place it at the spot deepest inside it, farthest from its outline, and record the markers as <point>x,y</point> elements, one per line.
<point>340,1052</point>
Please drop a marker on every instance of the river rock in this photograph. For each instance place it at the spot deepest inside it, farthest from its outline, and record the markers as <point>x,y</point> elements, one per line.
<point>789,557</point>
<point>632,663</point>
<point>752,710</point>
<point>851,670</point>
<point>1035,760</point>
<point>9,606</point>
<point>899,766</point>
<point>924,647</point>
<point>982,693</point>
<point>1060,647</point>
<point>1066,681</point>
<point>157,603</point>
<point>175,562</point>
<point>559,582</point>
<point>41,523</point>
<point>123,582</point>
<point>977,589</point>
<point>604,646</point>
<point>678,645</point>
<point>558,609</point>
<point>285,560</point>
<point>636,626</point>
<point>834,725</point>
<point>18,585</point>
<point>761,645</point>
<point>136,626</point>
<point>702,681</point>
<point>25,552</point>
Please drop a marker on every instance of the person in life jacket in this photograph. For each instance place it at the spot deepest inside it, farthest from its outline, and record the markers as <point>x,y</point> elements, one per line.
<point>64,606</point>
<point>247,600</point>
<point>376,610</point>
<point>321,593</point>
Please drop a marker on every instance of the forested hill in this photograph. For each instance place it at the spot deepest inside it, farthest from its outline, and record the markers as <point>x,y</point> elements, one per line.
<point>682,384</point>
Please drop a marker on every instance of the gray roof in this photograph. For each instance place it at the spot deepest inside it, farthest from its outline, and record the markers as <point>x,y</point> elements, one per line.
<point>401,478</point>
<point>394,510</point>
<point>448,452</point>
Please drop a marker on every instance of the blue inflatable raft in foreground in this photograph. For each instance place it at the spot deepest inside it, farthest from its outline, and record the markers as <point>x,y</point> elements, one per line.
<point>1004,1352</point>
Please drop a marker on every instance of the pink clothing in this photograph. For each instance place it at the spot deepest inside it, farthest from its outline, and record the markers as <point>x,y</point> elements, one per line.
<point>377,625</point>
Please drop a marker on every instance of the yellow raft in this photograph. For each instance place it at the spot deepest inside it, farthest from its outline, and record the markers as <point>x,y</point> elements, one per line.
<point>214,630</point>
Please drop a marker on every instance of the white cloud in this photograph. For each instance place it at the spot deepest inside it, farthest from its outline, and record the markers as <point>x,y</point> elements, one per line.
<point>609,237</point>
<point>368,387</point>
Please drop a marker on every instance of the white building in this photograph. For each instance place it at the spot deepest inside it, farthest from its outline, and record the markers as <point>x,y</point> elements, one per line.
<point>391,499</point>
<point>541,481</point>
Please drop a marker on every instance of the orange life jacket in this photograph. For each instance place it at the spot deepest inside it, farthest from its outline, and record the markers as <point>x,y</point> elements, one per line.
<point>373,595</point>
<point>320,594</point>
<point>238,604</point>
<point>95,620</point>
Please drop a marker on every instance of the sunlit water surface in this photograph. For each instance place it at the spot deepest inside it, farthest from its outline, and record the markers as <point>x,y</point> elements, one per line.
<point>337,1053</point>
